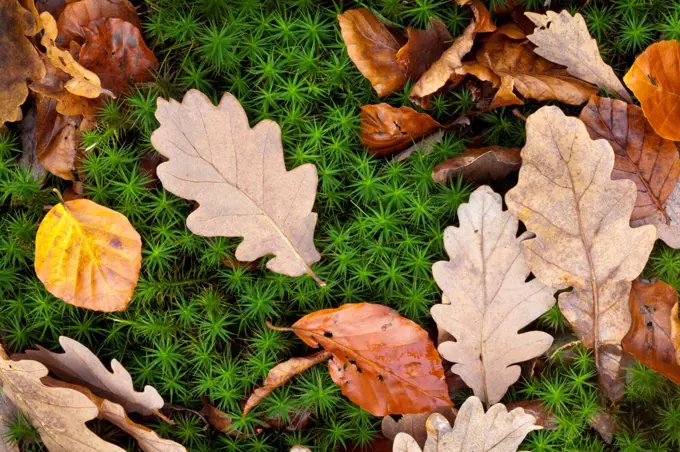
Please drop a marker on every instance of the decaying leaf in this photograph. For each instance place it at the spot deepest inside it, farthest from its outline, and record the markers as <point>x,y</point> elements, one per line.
<point>580,216</point>
<point>414,424</point>
<point>238,177</point>
<point>386,129</point>
<point>373,49</point>
<point>423,48</point>
<point>20,60</point>
<point>80,366</point>
<point>479,165</point>
<point>282,374</point>
<point>564,39</point>
<point>88,255</point>
<point>654,80</point>
<point>496,430</point>
<point>78,15</point>
<point>605,424</point>
<point>484,281</point>
<point>383,362</point>
<point>649,338</point>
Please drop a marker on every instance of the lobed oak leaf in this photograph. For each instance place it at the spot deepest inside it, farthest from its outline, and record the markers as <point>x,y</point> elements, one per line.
<point>88,255</point>
<point>479,165</point>
<point>564,39</point>
<point>423,48</point>
<point>239,178</point>
<point>77,16</point>
<point>484,281</point>
<point>382,361</point>
<point>565,195</point>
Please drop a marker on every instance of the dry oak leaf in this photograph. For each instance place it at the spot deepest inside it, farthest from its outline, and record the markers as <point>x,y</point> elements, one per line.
<point>654,80</point>
<point>20,61</point>
<point>386,129</point>
<point>496,430</point>
<point>88,255</point>
<point>383,362</point>
<point>373,49</point>
<point>79,15</point>
<point>479,165</point>
<point>565,40</point>
<point>640,155</point>
<point>414,424</point>
<point>239,178</point>
<point>80,366</point>
<point>423,48</point>
<point>565,195</point>
<point>115,50</point>
<point>281,374</point>
<point>649,339</point>
<point>58,414</point>
<point>490,300</point>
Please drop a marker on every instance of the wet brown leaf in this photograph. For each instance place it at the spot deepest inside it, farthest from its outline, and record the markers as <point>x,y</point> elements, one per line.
<point>77,16</point>
<point>605,424</point>
<point>480,165</point>
<point>423,48</point>
<point>414,424</point>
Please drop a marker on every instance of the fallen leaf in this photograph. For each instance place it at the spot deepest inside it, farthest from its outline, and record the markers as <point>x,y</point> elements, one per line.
<point>238,176</point>
<point>675,331</point>
<point>424,146</point>
<point>80,366</point>
<point>383,362</point>
<point>423,48</point>
<point>223,422</point>
<point>496,430</point>
<point>8,413</point>
<point>649,339</point>
<point>373,49</point>
<point>613,368</point>
<point>21,62</point>
<point>545,417</point>
<point>564,39</point>
<point>580,216</point>
<point>54,7</point>
<point>115,50</point>
<point>281,374</point>
<point>414,424</point>
<point>88,255</point>
<point>653,78</point>
<point>605,424</point>
<point>29,157</point>
<point>386,129</point>
<point>490,300</point>
<point>479,165</point>
<point>639,155</point>
<point>78,15</point>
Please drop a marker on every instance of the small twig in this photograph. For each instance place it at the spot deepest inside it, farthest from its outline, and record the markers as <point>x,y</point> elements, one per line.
<point>181,408</point>
<point>567,345</point>
<point>519,114</point>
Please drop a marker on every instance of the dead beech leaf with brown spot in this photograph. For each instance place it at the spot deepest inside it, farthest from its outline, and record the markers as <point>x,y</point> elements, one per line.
<point>564,39</point>
<point>373,49</point>
<point>484,281</point>
<point>281,374</point>
<point>238,176</point>
<point>386,129</point>
<point>423,48</point>
<point>414,424</point>
<point>565,195</point>
<point>479,165</point>
<point>80,14</point>
<point>640,155</point>
<point>382,361</point>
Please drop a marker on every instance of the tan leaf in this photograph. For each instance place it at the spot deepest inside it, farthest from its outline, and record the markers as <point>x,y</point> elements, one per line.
<point>373,49</point>
<point>238,177</point>
<point>78,15</point>
<point>580,216</point>
<point>479,165</point>
<point>386,129</point>
<point>423,48</point>
<point>496,430</point>
<point>484,280</point>
<point>281,374</point>
<point>545,417</point>
<point>80,366</point>
<point>565,40</point>
<point>414,424</point>
<point>670,232</point>
<point>675,331</point>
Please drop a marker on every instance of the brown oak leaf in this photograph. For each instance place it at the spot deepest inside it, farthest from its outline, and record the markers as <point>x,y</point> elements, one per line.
<point>479,165</point>
<point>423,48</point>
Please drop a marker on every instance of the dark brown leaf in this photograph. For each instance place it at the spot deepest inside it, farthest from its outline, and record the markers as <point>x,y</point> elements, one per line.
<point>479,165</point>
<point>605,424</point>
<point>423,48</point>
<point>79,14</point>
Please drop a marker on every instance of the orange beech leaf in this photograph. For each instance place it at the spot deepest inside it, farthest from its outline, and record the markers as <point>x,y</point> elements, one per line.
<point>649,338</point>
<point>655,80</point>
<point>423,48</point>
<point>88,255</point>
<point>383,362</point>
<point>479,165</point>
<point>386,129</point>
<point>641,155</point>
<point>282,374</point>
<point>373,49</point>
<point>78,15</point>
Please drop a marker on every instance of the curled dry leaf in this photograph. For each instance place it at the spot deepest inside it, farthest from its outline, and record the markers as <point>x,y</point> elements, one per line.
<point>496,430</point>
<point>80,366</point>
<point>373,49</point>
<point>386,130</point>
<point>423,48</point>
<point>654,80</point>
<point>281,374</point>
<point>21,62</point>
<point>88,255</point>
<point>649,339</point>
<point>580,216</point>
<point>564,39</point>
<point>640,155</point>
<point>383,362</point>
<point>490,300</point>
<point>239,178</point>
<point>414,424</point>
<point>78,15</point>
<point>479,165</point>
